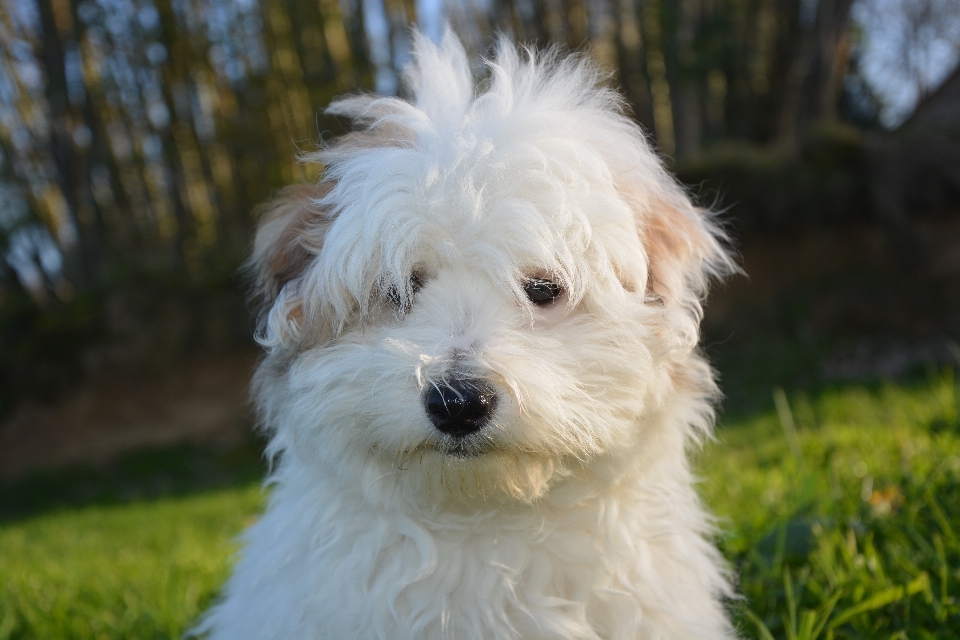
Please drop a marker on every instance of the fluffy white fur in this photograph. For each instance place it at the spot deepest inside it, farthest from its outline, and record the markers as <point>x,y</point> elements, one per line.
<point>573,513</point>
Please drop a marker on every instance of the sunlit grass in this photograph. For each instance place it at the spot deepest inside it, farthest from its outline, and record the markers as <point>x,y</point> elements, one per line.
<point>141,570</point>
<point>840,513</point>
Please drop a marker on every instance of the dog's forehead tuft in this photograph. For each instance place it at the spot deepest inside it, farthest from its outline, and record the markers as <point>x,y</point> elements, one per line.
<point>533,199</point>
<point>526,172</point>
<point>540,102</point>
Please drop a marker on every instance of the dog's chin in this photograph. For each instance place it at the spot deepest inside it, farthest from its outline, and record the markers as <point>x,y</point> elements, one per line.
<point>474,468</point>
<point>472,446</point>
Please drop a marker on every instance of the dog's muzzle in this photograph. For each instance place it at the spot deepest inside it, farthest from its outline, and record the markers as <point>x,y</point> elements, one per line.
<point>460,407</point>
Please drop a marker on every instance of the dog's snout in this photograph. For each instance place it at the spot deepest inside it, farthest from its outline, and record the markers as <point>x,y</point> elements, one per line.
<point>460,407</point>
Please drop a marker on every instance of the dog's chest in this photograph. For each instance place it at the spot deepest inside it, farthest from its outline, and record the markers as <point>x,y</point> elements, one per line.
<point>489,575</point>
<point>321,566</point>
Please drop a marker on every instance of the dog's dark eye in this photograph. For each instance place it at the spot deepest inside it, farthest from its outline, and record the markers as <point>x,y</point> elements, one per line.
<point>542,292</point>
<point>396,297</point>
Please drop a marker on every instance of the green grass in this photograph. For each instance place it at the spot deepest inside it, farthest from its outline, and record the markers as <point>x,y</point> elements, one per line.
<point>139,570</point>
<point>136,550</point>
<point>840,513</point>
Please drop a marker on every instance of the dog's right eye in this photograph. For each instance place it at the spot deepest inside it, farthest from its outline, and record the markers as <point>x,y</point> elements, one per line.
<point>396,297</point>
<point>542,292</point>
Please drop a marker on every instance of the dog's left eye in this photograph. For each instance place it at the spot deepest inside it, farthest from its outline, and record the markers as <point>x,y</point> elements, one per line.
<point>396,297</point>
<point>542,292</point>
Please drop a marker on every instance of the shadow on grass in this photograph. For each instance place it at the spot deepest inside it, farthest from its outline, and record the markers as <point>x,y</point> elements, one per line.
<point>142,475</point>
<point>750,369</point>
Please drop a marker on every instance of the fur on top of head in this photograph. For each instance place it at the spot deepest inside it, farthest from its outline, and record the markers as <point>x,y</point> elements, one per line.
<point>542,145</point>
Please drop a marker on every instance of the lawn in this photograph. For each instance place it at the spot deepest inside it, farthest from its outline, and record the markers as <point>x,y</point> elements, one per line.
<point>140,570</point>
<point>839,511</point>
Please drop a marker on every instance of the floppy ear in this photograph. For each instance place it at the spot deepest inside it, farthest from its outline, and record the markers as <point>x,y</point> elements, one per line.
<point>289,236</point>
<point>685,251</point>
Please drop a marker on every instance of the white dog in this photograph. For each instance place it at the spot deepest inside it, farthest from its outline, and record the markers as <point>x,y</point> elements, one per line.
<point>481,377</point>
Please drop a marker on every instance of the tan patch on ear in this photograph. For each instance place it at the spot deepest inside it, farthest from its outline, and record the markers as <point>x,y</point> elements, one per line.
<point>678,244</point>
<point>289,236</point>
<point>667,239</point>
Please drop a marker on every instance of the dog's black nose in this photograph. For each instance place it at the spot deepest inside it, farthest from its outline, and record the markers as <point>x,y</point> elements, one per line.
<point>460,407</point>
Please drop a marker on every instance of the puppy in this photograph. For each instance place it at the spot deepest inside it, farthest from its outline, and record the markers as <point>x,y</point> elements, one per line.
<point>481,377</point>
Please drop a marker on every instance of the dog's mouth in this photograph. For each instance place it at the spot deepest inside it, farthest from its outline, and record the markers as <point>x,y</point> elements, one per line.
<point>466,448</point>
<point>472,446</point>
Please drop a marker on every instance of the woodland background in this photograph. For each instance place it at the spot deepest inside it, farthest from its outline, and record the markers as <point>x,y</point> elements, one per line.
<point>137,137</point>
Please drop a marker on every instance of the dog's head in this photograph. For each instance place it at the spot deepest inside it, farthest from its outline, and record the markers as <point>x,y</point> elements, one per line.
<point>487,292</point>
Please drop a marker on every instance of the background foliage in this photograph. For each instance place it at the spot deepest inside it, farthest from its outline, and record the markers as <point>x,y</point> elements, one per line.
<point>137,136</point>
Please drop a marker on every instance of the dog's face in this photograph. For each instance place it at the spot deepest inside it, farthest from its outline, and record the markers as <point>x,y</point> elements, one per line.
<point>483,296</point>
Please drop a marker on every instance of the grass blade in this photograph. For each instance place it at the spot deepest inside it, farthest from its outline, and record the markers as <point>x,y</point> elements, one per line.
<point>787,422</point>
<point>762,628</point>
<point>882,599</point>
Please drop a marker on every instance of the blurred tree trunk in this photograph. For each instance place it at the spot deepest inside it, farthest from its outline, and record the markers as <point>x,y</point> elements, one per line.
<point>72,235</point>
<point>814,58</point>
<point>630,56</point>
<point>683,75</point>
<point>174,73</point>
<point>833,55</point>
<point>656,65</point>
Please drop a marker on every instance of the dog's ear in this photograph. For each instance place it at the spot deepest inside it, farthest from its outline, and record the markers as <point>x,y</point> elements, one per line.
<point>685,251</point>
<point>289,236</point>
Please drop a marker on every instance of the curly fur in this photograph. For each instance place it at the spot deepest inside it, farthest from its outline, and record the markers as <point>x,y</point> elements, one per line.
<point>573,513</point>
